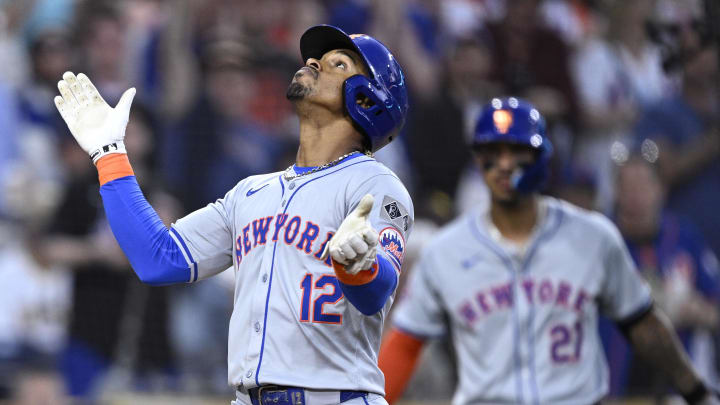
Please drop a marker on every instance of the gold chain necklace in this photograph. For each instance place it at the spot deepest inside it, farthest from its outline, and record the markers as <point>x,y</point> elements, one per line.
<point>290,174</point>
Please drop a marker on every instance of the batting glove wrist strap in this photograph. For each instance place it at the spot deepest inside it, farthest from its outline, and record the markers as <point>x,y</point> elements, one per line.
<point>115,147</point>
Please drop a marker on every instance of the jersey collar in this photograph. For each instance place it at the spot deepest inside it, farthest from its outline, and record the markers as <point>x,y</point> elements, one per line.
<point>305,169</point>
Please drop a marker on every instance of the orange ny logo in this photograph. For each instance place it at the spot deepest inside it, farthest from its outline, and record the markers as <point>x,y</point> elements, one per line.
<point>503,120</point>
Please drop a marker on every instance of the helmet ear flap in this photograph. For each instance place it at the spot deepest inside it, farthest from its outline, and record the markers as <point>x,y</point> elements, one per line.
<point>367,104</point>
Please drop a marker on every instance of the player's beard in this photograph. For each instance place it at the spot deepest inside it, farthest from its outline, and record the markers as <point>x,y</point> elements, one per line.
<point>297,91</point>
<point>508,202</point>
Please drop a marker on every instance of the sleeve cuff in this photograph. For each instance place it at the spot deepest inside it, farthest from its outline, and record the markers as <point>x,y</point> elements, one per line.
<point>635,316</point>
<point>113,166</point>
<point>362,277</point>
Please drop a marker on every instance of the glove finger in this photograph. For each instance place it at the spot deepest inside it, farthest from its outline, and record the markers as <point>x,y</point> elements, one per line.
<point>368,262</point>
<point>125,102</point>
<point>337,255</point>
<point>364,207</point>
<point>352,268</point>
<point>372,253</point>
<point>67,95</point>
<point>64,111</point>
<point>358,244</point>
<point>76,89</point>
<point>370,257</point>
<point>90,90</point>
<point>370,236</point>
<point>348,251</point>
<point>363,263</point>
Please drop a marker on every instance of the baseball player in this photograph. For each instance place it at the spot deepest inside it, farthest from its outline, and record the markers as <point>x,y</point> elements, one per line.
<point>519,287</point>
<point>316,249</point>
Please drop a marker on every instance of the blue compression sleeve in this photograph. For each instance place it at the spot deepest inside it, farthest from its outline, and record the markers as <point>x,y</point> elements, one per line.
<point>147,243</point>
<point>371,297</point>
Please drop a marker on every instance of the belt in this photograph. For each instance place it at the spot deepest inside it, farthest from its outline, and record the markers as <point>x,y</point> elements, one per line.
<point>283,395</point>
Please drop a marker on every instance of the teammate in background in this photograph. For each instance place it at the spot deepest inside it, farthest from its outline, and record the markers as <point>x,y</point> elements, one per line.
<point>316,249</point>
<point>519,287</point>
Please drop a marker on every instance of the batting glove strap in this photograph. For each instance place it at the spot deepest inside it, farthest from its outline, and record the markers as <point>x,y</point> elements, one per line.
<point>115,147</point>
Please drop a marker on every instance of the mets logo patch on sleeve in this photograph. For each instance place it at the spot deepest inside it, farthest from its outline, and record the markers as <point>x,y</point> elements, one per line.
<point>393,244</point>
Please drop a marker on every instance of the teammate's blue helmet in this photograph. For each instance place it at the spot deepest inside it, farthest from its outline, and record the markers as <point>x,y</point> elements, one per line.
<point>515,121</point>
<point>385,87</point>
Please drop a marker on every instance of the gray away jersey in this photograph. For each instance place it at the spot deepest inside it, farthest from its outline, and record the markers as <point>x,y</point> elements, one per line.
<point>291,324</point>
<point>525,327</point>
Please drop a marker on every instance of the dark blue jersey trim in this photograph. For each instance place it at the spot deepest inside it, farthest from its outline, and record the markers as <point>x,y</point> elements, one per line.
<point>194,276</point>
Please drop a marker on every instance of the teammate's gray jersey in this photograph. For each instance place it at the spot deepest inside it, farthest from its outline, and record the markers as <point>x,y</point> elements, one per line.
<point>291,324</point>
<point>525,325</point>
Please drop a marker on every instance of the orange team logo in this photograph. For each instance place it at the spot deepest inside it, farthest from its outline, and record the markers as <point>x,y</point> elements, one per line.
<point>503,120</point>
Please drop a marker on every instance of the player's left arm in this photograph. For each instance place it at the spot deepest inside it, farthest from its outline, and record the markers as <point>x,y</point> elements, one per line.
<point>367,249</point>
<point>653,339</point>
<point>157,254</point>
<point>625,297</point>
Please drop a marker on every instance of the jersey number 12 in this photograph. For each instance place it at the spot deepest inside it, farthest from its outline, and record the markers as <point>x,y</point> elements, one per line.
<point>315,308</point>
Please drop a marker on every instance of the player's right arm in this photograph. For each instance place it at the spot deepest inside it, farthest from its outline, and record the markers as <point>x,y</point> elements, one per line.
<point>157,254</point>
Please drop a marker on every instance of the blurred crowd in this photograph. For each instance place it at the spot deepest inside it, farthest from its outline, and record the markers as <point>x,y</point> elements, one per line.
<point>629,89</point>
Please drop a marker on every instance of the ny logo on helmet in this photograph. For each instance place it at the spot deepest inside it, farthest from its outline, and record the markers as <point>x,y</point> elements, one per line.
<point>503,120</point>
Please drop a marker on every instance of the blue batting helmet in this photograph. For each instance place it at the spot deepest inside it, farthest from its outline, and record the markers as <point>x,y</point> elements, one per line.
<point>515,121</point>
<point>385,87</point>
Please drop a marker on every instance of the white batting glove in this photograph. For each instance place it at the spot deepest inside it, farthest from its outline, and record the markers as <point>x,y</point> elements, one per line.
<point>355,243</point>
<point>97,127</point>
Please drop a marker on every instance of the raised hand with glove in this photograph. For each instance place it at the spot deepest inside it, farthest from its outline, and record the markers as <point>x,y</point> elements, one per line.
<point>100,130</point>
<point>366,278</point>
<point>97,127</point>
<point>354,245</point>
